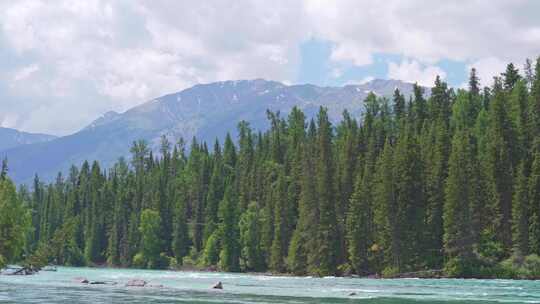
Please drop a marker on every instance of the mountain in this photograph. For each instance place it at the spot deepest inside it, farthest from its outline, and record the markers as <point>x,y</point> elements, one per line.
<point>10,138</point>
<point>207,111</point>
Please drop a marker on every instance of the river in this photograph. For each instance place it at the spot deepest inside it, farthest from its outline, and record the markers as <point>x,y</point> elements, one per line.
<point>195,287</point>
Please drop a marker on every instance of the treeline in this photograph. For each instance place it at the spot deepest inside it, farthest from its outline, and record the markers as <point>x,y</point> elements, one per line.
<point>447,181</point>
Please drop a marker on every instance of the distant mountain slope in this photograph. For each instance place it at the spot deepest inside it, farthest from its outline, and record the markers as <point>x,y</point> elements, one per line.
<point>10,138</point>
<point>207,111</point>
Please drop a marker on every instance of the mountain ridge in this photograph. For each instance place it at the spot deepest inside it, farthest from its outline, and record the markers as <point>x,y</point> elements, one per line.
<point>11,138</point>
<point>207,111</point>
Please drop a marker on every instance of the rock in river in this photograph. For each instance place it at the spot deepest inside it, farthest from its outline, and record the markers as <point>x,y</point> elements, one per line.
<point>219,285</point>
<point>136,283</point>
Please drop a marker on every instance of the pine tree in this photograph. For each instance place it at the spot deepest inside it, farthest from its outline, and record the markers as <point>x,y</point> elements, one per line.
<point>245,163</point>
<point>399,104</point>
<point>410,199</point>
<point>327,233</point>
<point>387,231</point>
<point>251,255</point>
<point>420,109</point>
<point>302,249</point>
<point>282,222</point>
<point>4,170</point>
<point>511,77</point>
<point>215,193</point>
<point>534,106</point>
<point>360,221</point>
<point>459,193</point>
<point>435,158</point>
<point>180,235</point>
<point>519,115</point>
<point>520,213</point>
<point>500,162</point>
<point>474,83</point>
<point>346,146</point>
<point>229,257</point>
<point>534,202</point>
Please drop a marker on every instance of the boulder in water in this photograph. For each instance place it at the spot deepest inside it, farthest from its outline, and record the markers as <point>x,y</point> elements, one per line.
<point>136,283</point>
<point>218,285</point>
<point>81,280</point>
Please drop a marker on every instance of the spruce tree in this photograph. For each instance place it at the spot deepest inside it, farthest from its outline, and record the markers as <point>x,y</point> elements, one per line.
<point>500,161</point>
<point>386,229</point>
<point>534,202</point>
<point>251,255</point>
<point>180,234</point>
<point>327,230</point>
<point>229,257</point>
<point>360,221</point>
<point>278,250</point>
<point>302,249</point>
<point>399,104</point>
<point>520,214</point>
<point>459,200</point>
<point>511,77</point>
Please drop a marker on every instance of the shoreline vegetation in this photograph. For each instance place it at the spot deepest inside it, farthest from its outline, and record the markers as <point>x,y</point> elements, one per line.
<point>440,185</point>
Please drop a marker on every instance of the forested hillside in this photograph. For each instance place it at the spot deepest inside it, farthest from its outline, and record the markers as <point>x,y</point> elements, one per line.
<point>207,111</point>
<point>451,181</point>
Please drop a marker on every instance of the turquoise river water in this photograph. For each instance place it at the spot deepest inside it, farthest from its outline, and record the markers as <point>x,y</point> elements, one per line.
<point>195,287</point>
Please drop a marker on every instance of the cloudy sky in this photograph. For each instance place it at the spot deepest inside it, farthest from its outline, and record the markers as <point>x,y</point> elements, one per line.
<point>64,63</point>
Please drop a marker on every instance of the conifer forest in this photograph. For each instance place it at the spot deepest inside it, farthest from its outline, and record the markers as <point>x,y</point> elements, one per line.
<point>445,179</point>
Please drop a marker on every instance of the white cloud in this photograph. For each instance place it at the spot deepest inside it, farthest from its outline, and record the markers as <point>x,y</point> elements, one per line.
<point>413,71</point>
<point>95,56</point>
<point>66,62</point>
<point>8,120</point>
<point>25,72</point>
<point>487,68</point>
<point>428,31</point>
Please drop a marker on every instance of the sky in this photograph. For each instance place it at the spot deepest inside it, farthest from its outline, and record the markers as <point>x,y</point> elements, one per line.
<point>65,63</point>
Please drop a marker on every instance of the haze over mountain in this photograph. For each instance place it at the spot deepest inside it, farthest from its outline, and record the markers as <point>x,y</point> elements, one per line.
<point>207,111</point>
<point>10,138</point>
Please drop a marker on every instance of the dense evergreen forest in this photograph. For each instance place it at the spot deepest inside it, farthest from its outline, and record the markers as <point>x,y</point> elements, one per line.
<point>450,181</point>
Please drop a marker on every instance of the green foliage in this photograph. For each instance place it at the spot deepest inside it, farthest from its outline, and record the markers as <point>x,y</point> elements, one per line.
<point>534,199</point>
<point>211,250</point>
<point>327,236</point>
<point>360,223</point>
<point>297,255</point>
<point>252,257</point>
<point>278,250</point>
<point>519,267</point>
<point>229,256</point>
<point>520,213</point>
<point>60,249</point>
<point>390,272</point>
<point>180,235</point>
<point>151,242</point>
<point>14,222</point>
<point>139,261</point>
<point>459,267</point>
<point>459,200</point>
